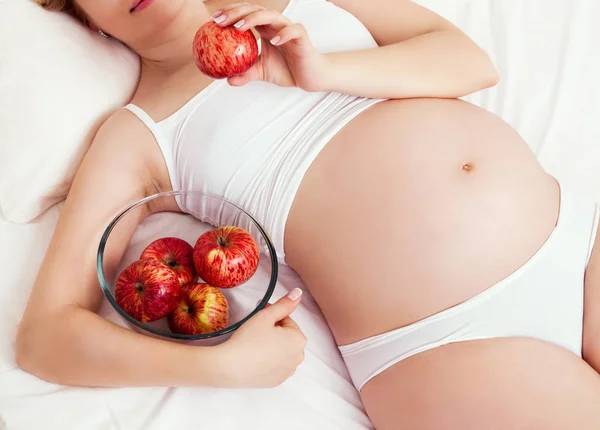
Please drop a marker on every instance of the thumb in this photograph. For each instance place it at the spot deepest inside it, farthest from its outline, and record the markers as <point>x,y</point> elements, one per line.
<point>284,306</point>
<point>252,74</point>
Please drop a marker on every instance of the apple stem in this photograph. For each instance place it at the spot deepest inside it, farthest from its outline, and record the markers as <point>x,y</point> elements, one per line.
<point>222,241</point>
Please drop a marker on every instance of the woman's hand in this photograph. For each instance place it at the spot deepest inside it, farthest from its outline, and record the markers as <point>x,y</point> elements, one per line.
<point>267,349</point>
<point>288,58</point>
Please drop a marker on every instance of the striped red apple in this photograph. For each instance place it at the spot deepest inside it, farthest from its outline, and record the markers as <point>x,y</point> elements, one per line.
<point>175,253</point>
<point>147,290</point>
<point>226,257</point>
<point>163,282</point>
<point>222,52</point>
<point>202,309</point>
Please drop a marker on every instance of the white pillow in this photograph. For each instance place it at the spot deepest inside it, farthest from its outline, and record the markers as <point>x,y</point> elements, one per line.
<point>58,82</point>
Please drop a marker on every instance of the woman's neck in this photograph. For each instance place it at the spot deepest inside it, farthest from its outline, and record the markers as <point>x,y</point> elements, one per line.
<point>169,76</point>
<point>173,53</point>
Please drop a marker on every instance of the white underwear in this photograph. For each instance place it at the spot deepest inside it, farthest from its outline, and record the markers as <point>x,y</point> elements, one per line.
<point>543,300</point>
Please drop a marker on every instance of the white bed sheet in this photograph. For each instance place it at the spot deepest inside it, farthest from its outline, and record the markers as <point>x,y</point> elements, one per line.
<point>549,92</point>
<point>332,403</point>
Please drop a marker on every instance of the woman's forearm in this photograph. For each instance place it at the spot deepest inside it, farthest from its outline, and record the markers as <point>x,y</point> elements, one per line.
<point>443,64</point>
<point>81,348</point>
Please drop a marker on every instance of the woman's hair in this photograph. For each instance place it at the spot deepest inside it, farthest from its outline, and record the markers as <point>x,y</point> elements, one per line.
<point>68,6</point>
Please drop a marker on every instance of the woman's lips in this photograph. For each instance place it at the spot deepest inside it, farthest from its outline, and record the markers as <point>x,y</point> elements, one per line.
<point>138,5</point>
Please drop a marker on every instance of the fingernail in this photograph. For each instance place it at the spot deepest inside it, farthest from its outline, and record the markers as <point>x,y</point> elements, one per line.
<point>275,40</point>
<point>239,23</point>
<point>220,19</point>
<point>216,14</point>
<point>294,294</point>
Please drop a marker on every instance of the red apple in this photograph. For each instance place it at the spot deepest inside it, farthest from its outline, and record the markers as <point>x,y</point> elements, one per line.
<point>202,309</point>
<point>175,253</point>
<point>226,257</point>
<point>221,52</point>
<point>147,290</point>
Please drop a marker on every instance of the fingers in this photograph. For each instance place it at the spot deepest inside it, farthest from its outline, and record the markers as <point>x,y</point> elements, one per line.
<point>269,17</point>
<point>245,16</point>
<point>295,32</point>
<point>231,14</point>
<point>283,307</point>
<point>296,335</point>
<point>254,74</point>
<point>288,322</point>
<point>229,7</point>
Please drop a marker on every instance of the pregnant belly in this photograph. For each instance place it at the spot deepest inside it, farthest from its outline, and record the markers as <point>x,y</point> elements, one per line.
<point>414,207</point>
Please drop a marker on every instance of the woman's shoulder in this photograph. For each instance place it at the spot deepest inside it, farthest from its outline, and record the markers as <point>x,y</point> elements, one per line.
<point>124,136</point>
<point>123,123</point>
<point>124,133</point>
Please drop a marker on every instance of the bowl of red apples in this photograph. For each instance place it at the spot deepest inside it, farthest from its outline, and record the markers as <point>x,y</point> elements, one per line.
<point>194,274</point>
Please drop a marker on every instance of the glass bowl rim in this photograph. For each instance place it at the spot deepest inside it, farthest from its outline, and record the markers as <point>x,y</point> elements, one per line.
<point>230,329</point>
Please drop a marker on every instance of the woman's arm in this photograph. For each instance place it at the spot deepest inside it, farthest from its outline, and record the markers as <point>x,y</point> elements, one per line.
<point>420,55</point>
<point>62,340</point>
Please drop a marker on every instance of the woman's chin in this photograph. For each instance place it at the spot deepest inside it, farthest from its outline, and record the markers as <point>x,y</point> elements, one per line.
<point>156,22</point>
<point>162,13</point>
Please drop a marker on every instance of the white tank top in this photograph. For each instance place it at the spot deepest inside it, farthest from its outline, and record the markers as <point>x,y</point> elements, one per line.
<point>253,144</point>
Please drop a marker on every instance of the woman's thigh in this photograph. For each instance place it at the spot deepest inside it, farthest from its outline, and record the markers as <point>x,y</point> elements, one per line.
<point>498,384</point>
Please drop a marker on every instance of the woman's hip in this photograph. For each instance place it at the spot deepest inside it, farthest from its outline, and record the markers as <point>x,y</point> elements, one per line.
<point>507,383</point>
<point>543,299</point>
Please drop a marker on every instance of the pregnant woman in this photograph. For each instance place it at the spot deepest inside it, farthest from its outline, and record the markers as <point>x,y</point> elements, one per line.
<point>459,279</point>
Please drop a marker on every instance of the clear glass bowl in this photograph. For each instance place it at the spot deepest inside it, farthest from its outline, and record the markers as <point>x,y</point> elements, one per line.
<point>203,211</point>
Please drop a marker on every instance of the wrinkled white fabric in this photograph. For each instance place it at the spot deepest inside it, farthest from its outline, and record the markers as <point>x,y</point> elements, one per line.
<point>253,144</point>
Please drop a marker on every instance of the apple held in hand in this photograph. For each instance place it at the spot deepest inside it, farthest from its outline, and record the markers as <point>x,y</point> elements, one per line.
<point>226,257</point>
<point>147,290</point>
<point>221,52</point>
<point>202,309</point>
<point>175,253</point>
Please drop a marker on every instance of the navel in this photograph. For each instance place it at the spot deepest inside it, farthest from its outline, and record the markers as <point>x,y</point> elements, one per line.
<point>467,167</point>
